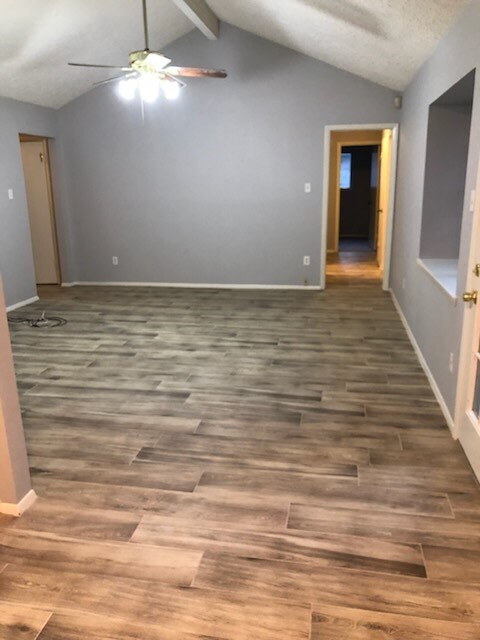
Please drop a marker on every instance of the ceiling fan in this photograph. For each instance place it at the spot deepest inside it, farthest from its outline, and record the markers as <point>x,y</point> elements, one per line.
<point>149,71</point>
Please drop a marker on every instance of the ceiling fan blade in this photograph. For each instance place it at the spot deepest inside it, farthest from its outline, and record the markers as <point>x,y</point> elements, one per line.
<point>98,66</point>
<point>157,60</point>
<point>122,77</point>
<point>192,72</point>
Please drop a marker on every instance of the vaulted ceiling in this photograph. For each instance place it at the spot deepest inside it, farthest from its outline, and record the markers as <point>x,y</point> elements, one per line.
<point>385,41</point>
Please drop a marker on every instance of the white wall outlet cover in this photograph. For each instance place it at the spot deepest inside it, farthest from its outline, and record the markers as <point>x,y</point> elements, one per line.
<point>308,187</point>
<point>115,260</point>
<point>306,261</point>
<point>10,194</point>
<point>450,363</point>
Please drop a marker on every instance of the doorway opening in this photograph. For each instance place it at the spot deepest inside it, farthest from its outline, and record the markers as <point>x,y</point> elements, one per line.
<point>357,228</point>
<point>41,209</point>
<point>357,222</point>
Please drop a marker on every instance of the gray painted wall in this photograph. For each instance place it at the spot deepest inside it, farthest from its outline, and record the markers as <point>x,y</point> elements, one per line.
<point>444,190</point>
<point>16,259</point>
<point>435,321</point>
<point>210,189</point>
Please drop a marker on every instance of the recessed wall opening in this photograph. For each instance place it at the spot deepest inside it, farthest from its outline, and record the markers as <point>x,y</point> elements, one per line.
<point>449,124</point>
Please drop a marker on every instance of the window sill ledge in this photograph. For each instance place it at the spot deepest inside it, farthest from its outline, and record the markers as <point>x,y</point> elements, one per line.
<point>443,273</point>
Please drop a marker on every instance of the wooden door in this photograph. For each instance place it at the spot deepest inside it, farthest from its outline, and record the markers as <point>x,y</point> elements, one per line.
<point>40,211</point>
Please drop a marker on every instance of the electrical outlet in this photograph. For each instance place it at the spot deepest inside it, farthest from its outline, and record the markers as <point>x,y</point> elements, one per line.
<point>10,194</point>
<point>308,187</point>
<point>115,260</point>
<point>450,363</point>
<point>306,261</point>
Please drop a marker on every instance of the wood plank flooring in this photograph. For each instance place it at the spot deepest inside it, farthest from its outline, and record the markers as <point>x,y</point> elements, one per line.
<point>229,465</point>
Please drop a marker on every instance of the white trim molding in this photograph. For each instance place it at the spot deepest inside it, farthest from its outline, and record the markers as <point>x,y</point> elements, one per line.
<point>16,510</point>
<point>394,127</point>
<point>23,303</point>
<point>194,285</point>
<point>425,367</point>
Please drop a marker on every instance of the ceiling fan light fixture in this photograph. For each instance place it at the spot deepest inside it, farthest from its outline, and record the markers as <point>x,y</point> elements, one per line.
<point>127,88</point>
<point>148,72</point>
<point>171,89</point>
<point>149,86</point>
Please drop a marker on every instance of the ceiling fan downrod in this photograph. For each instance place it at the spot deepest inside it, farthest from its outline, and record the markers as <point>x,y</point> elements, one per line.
<point>145,24</point>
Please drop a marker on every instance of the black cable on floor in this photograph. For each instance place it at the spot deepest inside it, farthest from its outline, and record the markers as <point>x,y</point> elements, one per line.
<point>39,323</point>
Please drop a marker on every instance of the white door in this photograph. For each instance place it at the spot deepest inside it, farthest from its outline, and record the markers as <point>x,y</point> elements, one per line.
<point>467,416</point>
<point>40,212</point>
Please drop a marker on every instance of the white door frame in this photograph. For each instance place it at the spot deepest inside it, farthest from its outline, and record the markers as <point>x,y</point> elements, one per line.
<point>394,127</point>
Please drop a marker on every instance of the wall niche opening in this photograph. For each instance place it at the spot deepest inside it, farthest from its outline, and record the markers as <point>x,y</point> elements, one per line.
<point>448,139</point>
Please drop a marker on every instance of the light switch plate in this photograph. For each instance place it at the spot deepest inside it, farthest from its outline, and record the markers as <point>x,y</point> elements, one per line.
<point>10,194</point>
<point>308,187</point>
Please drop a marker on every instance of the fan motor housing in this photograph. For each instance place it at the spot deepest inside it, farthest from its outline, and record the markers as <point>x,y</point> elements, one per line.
<point>138,56</point>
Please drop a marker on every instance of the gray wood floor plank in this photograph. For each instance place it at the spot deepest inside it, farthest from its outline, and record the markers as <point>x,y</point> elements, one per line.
<point>340,587</point>
<point>18,622</point>
<point>340,623</point>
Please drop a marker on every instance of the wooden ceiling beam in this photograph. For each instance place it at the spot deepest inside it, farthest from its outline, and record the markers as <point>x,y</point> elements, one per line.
<point>202,17</point>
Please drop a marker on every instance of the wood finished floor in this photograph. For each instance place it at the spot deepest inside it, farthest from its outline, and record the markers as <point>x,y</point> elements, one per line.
<point>233,465</point>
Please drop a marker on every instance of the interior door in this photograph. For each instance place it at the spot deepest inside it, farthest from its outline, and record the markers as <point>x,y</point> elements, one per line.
<point>384,195</point>
<point>468,396</point>
<point>40,213</point>
<point>355,200</point>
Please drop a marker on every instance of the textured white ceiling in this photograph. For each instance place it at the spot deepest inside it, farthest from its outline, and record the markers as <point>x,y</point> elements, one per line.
<point>39,37</point>
<point>385,41</point>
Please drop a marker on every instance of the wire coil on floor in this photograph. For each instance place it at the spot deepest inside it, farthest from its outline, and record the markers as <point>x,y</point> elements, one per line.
<point>43,322</point>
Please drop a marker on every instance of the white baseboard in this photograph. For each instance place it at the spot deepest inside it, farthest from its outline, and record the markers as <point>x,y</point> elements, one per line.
<point>16,510</point>
<point>192,285</point>
<point>425,367</point>
<point>23,303</point>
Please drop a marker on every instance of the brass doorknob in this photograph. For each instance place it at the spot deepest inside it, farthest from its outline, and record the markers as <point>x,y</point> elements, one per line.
<point>470,296</point>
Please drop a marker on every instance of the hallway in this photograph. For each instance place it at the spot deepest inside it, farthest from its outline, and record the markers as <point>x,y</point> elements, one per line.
<point>350,267</point>
<point>234,465</point>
